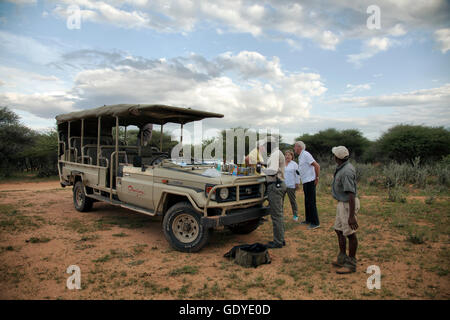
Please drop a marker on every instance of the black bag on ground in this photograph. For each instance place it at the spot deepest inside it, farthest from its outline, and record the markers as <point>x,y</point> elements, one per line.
<point>249,255</point>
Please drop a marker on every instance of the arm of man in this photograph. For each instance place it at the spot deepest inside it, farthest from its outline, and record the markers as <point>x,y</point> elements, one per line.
<point>317,170</point>
<point>351,219</point>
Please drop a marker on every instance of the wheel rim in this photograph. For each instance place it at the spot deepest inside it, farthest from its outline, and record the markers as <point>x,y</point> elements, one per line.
<point>79,197</point>
<point>185,228</point>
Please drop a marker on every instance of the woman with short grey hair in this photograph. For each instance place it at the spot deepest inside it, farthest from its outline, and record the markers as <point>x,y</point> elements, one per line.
<point>292,180</point>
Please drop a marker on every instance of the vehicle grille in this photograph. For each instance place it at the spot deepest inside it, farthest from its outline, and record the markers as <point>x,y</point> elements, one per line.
<point>246,192</point>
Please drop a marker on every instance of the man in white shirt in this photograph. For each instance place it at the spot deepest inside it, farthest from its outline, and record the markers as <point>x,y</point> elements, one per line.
<point>276,190</point>
<point>309,171</point>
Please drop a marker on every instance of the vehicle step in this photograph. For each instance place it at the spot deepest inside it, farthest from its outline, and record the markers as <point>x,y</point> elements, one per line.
<point>121,204</point>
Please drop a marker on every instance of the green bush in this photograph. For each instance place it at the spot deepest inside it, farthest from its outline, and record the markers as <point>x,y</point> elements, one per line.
<point>320,144</point>
<point>404,143</point>
<point>396,194</point>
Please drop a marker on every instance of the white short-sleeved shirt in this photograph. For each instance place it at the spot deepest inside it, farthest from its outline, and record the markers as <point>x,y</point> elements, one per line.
<point>307,172</point>
<point>290,175</point>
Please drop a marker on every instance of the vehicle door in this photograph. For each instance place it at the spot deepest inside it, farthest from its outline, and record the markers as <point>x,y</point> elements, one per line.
<point>135,186</point>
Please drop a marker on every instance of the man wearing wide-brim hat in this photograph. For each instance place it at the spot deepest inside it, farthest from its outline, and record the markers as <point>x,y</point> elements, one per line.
<point>344,191</point>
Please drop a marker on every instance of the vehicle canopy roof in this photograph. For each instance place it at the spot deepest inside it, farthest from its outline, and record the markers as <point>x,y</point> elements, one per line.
<point>140,114</point>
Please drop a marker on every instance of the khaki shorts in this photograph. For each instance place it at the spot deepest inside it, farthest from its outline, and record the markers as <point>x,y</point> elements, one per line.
<point>342,215</point>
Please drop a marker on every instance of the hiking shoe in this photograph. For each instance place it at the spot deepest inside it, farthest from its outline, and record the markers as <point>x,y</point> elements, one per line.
<point>348,267</point>
<point>295,218</point>
<point>304,222</point>
<point>273,245</point>
<point>284,243</point>
<point>313,226</point>
<point>339,263</point>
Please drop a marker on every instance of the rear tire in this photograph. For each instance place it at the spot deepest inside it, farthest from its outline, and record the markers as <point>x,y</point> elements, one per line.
<point>245,227</point>
<point>183,229</point>
<point>80,201</point>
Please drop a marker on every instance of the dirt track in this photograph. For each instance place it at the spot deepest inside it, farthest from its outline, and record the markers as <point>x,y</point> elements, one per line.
<point>124,255</point>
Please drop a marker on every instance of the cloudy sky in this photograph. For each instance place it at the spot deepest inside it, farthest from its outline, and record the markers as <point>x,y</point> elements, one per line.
<point>295,66</point>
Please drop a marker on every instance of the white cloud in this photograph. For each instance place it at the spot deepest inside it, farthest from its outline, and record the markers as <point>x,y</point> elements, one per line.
<point>442,36</point>
<point>328,40</point>
<point>261,95</point>
<point>431,98</point>
<point>397,30</point>
<point>375,114</point>
<point>249,88</point>
<point>28,81</point>
<point>99,11</point>
<point>293,19</point>
<point>371,47</point>
<point>44,105</point>
<point>425,106</point>
<point>35,122</point>
<point>379,44</point>
<point>251,64</point>
<point>358,87</point>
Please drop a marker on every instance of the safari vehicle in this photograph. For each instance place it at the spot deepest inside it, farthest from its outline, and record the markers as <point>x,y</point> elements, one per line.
<point>101,167</point>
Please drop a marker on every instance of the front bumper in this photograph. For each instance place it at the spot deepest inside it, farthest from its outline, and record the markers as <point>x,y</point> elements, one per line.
<point>234,217</point>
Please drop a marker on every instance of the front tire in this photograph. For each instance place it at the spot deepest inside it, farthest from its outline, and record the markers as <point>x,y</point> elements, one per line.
<point>80,201</point>
<point>183,229</point>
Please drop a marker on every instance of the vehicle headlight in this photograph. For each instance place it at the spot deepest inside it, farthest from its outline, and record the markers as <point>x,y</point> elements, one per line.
<point>224,193</point>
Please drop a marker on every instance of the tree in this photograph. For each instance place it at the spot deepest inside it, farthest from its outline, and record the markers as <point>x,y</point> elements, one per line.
<point>404,143</point>
<point>320,144</point>
<point>14,139</point>
<point>42,154</point>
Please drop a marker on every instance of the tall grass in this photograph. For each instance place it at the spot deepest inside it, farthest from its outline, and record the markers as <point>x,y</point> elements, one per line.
<point>393,177</point>
<point>417,174</point>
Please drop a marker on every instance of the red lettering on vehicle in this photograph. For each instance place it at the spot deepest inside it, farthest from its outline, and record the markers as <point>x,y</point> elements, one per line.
<point>131,189</point>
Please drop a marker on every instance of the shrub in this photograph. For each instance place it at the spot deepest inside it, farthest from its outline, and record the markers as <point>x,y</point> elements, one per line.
<point>396,194</point>
<point>403,143</point>
<point>320,144</point>
<point>416,238</point>
<point>402,174</point>
<point>366,172</point>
